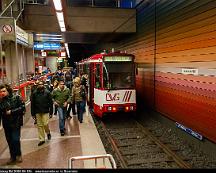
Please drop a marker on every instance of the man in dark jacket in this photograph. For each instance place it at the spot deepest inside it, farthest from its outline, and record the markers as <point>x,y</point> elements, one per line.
<point>42,109</point>
<point>12,109</point>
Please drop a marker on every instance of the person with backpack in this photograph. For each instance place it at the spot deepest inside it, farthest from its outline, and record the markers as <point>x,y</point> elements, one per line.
<point>68,79</point>
<point>12,110</point>
<point>79,97</point>
<point>42,110</point>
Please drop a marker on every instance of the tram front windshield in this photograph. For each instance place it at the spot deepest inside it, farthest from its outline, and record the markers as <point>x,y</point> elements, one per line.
<point>118,75</point>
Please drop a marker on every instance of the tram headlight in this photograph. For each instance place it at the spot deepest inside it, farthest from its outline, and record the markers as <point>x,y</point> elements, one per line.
<point>127,108</point>
<point>114,108</point>
<point>109,108</point>
<point>131,108</point>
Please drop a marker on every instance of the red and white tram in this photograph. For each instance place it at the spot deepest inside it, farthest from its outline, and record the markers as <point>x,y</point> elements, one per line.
<point>111,82</point>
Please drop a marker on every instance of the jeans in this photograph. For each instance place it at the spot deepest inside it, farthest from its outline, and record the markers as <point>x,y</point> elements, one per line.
<point>13,139</point>
<point>71,105</point>
<point>62,111</point>
<point>80,109</point>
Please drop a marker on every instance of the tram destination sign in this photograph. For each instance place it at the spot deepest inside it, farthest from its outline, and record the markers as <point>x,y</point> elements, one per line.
<point>117,58</point>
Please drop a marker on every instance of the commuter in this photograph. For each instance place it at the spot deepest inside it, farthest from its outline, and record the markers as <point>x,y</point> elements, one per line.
<point>42,109</point>
<point>33,88</point>
<point>55,77</point>
<point>68,79</point>
<point>60,74</point>
<point>79,96</point>
<point>61,98</point>
<point>84,78</point>
<point>12,110</point>
<point>84,82</point>
<point>71,106</point>
<point>54,86</point>
<point>48,86</point>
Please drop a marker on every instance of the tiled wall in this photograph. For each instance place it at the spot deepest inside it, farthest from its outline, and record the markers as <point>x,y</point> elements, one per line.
<point>183,37</point>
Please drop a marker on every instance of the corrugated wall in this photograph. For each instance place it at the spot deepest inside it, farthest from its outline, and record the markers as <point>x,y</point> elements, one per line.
<point>182,39</point>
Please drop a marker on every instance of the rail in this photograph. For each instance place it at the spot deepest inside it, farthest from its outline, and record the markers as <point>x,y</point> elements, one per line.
<point>122,161</point>
<point>119,148</point>
<point>94,157</point>
<point>175,157</point>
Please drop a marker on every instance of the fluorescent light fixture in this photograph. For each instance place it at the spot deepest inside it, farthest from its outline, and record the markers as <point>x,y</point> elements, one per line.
<point>63,29</point>
<point>60,16</point>
<point>61,24</point>
<point>51,38</point>
<point>51,35</point>
<point>58,5</point>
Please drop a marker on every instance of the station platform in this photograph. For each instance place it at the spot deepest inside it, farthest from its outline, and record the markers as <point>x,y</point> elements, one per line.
<point>81,139</point>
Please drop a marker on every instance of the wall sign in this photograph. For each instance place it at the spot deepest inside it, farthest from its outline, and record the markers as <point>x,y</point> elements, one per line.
<point>190,71</point>
<point>7,28</point>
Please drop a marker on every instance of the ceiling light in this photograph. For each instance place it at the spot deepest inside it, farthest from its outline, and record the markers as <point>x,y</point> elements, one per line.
<point>63,29</point>
<point>51,38</point>
<point>60,16</point>
<point>51,35</point>
<point>58,5</point>
<point>61,24</point>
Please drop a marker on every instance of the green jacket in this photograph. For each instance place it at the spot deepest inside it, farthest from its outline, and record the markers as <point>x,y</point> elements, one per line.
<point>61,96</point>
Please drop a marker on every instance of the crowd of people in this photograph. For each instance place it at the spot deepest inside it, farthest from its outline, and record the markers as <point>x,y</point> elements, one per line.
<point>65,91</point>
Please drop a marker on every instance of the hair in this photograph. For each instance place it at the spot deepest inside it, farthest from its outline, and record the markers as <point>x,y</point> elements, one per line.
<point>77,80</point>
<point>8,88</point>
<point>61,80</point>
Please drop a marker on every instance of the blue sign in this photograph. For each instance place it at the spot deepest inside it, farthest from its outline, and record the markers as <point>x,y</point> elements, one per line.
<point>189,131</point>
<point>47,46</point>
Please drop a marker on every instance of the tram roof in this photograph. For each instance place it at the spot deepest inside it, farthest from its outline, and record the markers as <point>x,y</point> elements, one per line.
<point>99,57</point>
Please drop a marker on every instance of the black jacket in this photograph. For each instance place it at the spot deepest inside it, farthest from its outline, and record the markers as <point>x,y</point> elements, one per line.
<point>41,102</point>
<point>17,107</point>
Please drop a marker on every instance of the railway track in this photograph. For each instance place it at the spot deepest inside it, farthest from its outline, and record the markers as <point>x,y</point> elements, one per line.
<point>135,147</point>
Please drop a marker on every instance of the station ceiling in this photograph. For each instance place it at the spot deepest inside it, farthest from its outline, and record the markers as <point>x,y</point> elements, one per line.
<point>82,45</point>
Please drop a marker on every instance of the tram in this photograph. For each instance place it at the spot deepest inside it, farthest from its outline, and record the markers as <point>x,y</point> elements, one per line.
<point>111,82</point>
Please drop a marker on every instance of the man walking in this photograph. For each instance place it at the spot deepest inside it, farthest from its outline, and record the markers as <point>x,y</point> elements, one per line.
<point>12,109</point>
<point>42,109</point>
<point>61,98</point>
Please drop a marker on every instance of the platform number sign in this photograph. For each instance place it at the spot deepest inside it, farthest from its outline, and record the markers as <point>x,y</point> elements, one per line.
<point>7,28</point>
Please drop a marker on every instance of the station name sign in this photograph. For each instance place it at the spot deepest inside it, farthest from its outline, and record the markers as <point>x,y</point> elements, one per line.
<point>190,71</point>
<point>117,58</point>
<point>47,46</point>
<point>21,36</point>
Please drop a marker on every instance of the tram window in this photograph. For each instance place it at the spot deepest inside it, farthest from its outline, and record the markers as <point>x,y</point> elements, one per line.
<point>97,77</point>
<point>105,79</point>
<point>121,75</point>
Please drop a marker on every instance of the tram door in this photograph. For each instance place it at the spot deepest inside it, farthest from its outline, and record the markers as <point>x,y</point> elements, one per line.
<point>91,85</point>
<point>95,77</point>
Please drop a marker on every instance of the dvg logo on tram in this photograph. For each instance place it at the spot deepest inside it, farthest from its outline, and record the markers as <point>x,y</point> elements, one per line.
<point>112,97</point>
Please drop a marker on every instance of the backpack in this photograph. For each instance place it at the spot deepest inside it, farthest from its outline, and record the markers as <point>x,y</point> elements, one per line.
<point>82,92</point>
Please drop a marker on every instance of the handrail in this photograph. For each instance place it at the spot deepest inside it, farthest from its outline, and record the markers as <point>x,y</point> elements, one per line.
<point>19,14</point>
<point>6,8</point>
<point>95,157</point>
<point>10,5</point>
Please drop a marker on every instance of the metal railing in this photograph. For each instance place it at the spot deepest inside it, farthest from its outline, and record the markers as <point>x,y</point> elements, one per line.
<point>94,157</point>
<point>44,2</point>
<point>14,7</point>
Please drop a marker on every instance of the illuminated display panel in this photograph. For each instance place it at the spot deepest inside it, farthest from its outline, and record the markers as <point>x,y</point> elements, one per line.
<point>117,58</point>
